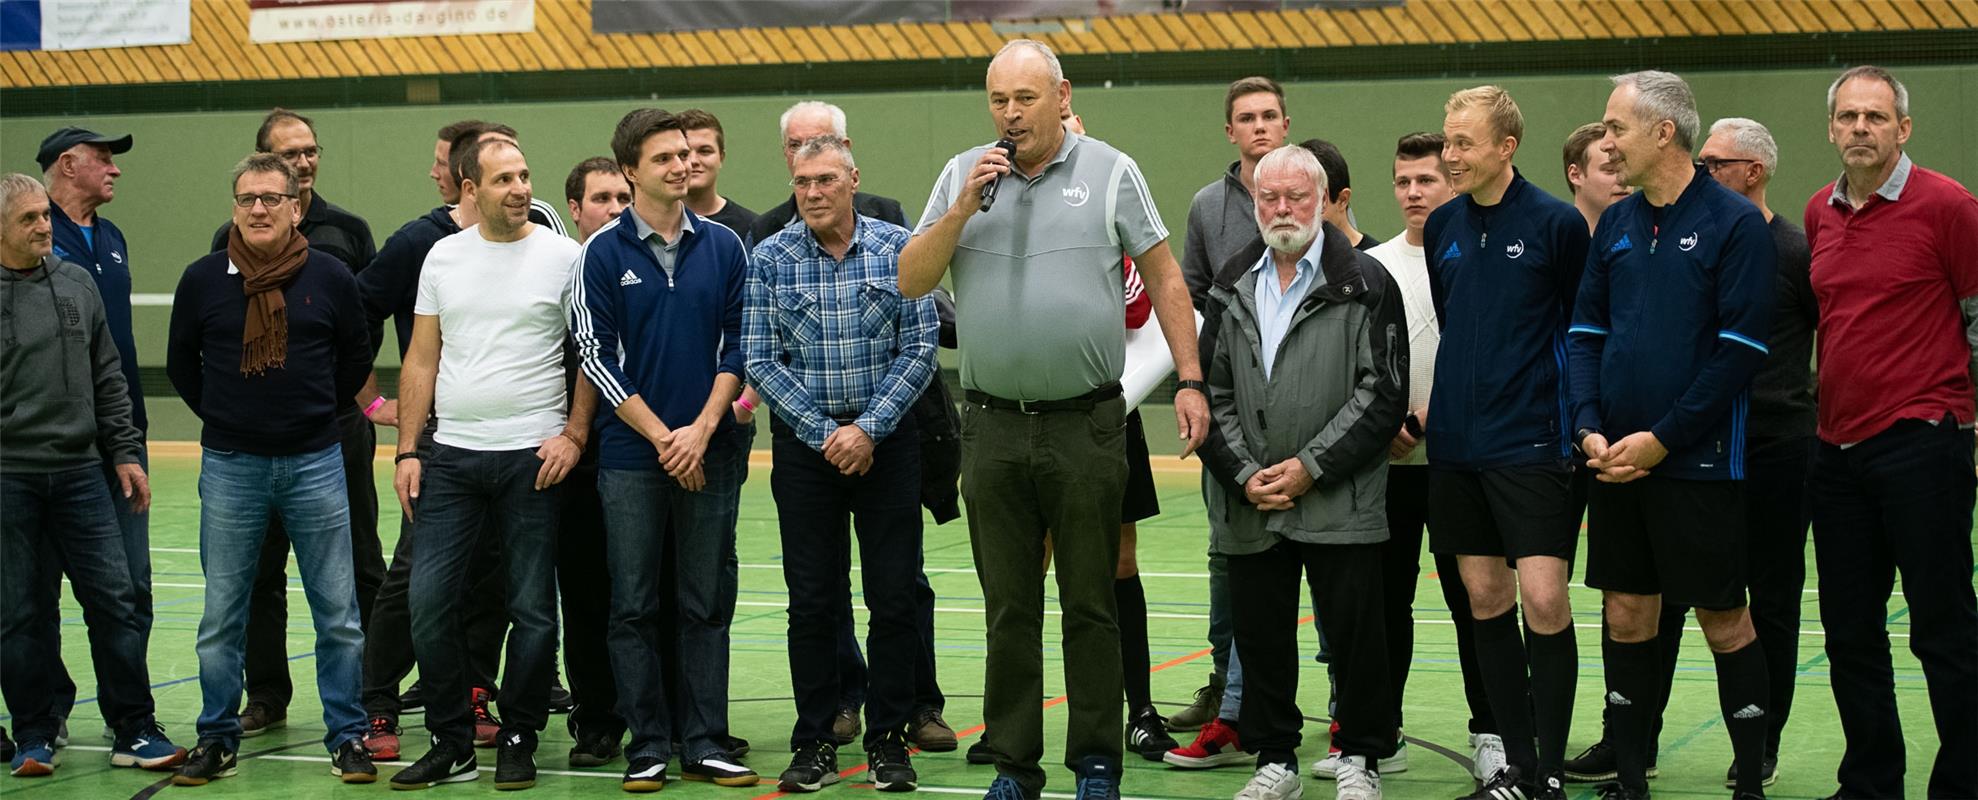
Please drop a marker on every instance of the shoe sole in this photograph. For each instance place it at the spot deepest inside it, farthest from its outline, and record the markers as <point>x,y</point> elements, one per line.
<point>32,768</point>
<point>167,762</point>
<point>277,724</point>
<point>185,780</point>
<point>748,780</point>
<point>1732,783</point>
<point>1152,753</point>
<point>1385,769</point>
<point>945,745</point>
<point>509,786</point>
<point>355,777</point>
<point>896,786</point>
<point>471,775</point>
<point>794,786</point>
<point>1593,777</point>
<point>1209,762</point>
<point>642,787</point>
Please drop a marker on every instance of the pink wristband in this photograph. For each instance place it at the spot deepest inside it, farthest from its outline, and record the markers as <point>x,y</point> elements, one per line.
<point>743,401</point>
<point>376,404</point>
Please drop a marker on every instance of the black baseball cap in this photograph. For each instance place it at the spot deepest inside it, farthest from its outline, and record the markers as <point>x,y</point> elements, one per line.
<point>60,141</point>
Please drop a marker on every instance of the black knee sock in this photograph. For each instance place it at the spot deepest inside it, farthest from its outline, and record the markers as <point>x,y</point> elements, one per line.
<point>1631,670</point>
<point>1132,600</point>
<point>1501,659</point>
<point>1743,694</point>
<point>1555,662</point>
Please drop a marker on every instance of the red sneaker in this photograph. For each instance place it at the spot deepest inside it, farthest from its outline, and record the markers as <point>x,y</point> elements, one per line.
<point>1215,746</point>
<point>486,727</point>
<point>382,739</point>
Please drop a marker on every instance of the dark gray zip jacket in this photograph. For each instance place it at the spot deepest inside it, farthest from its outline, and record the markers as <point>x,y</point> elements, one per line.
<point>63,404</point>
<point>1334,400</point>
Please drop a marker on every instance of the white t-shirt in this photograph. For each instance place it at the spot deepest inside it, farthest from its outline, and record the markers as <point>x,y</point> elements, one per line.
<point>502,329</point>
<point>1410,269</point>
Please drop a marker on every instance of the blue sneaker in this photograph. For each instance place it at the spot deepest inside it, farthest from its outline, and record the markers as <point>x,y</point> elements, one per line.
<point>1005,788</point>
<point>147,748</point>
<point>1098,780</point>
<point>35,758</point>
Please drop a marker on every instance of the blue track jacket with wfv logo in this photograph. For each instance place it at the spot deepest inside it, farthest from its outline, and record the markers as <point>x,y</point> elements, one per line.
<point>1670,326</point>
<point>1503,279</point>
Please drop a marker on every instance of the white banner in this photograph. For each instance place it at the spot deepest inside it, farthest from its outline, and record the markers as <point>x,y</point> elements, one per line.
<point>84,24</point>
<point>314,20</point>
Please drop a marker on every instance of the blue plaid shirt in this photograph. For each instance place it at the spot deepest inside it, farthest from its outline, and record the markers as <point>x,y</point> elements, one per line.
<point>827,339</point>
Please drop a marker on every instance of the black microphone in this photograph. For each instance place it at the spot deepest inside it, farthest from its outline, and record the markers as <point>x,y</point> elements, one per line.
<point>989,189</point>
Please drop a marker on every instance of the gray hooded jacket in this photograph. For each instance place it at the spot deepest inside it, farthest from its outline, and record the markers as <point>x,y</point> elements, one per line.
<point>62,400</point>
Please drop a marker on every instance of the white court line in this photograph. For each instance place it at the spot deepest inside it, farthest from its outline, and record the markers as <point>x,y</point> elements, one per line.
<point>539,770</point>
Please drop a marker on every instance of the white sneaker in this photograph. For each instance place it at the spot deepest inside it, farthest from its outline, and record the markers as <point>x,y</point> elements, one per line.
<point>1486,755</point>
<point>1273,782</point>
<point>1355,782</point>
<point>1328,767</point>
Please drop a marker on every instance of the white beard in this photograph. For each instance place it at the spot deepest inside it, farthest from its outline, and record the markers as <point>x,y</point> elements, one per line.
<point>1294,241</point>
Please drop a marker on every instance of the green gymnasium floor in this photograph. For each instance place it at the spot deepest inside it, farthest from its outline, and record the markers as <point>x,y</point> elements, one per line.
<point>290,763</point>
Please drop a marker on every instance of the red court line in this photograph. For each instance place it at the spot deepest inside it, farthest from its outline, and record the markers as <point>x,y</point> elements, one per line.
<point>978,727</point>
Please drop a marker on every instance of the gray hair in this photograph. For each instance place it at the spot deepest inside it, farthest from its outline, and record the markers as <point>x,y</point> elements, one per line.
<point>15,186</point>
<point>1751,138</point>
<point>819,145</point>
<point>1663,95</point>
<point>1867,72</point>
<point>1040,48</point>
<point>1294,157</point>
<point>813,107</point>
<point>268,163</point>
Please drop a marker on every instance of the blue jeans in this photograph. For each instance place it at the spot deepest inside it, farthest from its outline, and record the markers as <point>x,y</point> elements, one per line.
<point>137,555</point>
<point>52,519</point>
<point>642,509</point>
<point>1222,637</point>
<point>468,494</point>
<point>238,493</point>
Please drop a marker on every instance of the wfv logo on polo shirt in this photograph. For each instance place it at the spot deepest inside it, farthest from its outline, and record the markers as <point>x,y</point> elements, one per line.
<point>1076,196</point>
<point>629,279</point>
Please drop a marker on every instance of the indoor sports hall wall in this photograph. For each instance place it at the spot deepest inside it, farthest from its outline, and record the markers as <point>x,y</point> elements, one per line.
<point>174,191</point>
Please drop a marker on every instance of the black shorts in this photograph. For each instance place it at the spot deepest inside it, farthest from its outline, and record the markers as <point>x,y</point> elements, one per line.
<point>1684,540</point>
<point>1514,512</point>
<point>1139,501</point>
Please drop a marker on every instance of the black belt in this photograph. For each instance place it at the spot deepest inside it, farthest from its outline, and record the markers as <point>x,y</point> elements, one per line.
<point>1083,402</point>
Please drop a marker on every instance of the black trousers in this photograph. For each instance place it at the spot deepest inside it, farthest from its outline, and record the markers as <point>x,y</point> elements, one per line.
<point>1901,500</point>
<point>267,615</point>
<point>1401,568</point>
<point>585,581</point>
<point>813,504</point>
<point>1346,584</point>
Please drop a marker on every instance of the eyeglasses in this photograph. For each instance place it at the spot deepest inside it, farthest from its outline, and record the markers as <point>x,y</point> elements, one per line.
<point>301,152</point>
<point>1714,164</point>
<point>824,182</point>
<point>271,200</point>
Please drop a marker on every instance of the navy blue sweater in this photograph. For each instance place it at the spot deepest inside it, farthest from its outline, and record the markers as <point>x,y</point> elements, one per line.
<point>287,410</point>
<point>1503,279</point>
<point>1670,326</point>
<point>664,339</point>
<point>109,263</point>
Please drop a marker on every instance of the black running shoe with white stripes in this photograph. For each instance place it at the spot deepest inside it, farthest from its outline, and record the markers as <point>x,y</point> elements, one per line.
<point>1505,785</point>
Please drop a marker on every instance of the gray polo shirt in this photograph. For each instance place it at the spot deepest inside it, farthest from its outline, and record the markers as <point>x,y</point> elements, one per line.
<point>663,250</point>
<point>1038,308</point>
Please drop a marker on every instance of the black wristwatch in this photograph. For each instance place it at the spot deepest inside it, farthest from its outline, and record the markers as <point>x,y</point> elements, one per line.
<point>1580,437</point>
<point>1200,386</point>
<point>401,457</point>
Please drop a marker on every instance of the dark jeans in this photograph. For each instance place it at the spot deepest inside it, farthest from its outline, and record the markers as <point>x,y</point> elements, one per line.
<point>644,510</point>
<point>1023,475</point>
<point>137,554</point>
<point>814,504</point>
<point>466,495</point>
<point>267,614</point>
<point>1401,569</point>
<point>1901,500</point>
<point>583,577</point>
<point>1775,569</point>
<point>1347,590</point>
<point>52,519</point>
<point>388,654</point>
<point>852,673</point>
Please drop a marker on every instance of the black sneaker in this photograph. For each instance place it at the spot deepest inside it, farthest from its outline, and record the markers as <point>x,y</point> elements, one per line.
<point>446,762</point>
<point>1147,735</point>
<point>1593,765</point>
<point>560,699</point>
<point>352,763</point>
<point>208,762</point>
<point>1769,773</point>
<point>720,771</point>
<point>515,760</point>
<point>1505,785</point>
<point>813,767</point>
<point>980,753</point>
<point>412,700</point>
<point>736,746</point>
<point>892,770</point>
<point>594,749</point>
<point>1551,787</point>
<point>6,745</point>
<point>644,774</point>
<point>1616,791</point>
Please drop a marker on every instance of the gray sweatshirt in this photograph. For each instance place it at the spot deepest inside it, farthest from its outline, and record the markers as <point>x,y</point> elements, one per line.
<point>1221,220</point>
<point>62,400</point>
